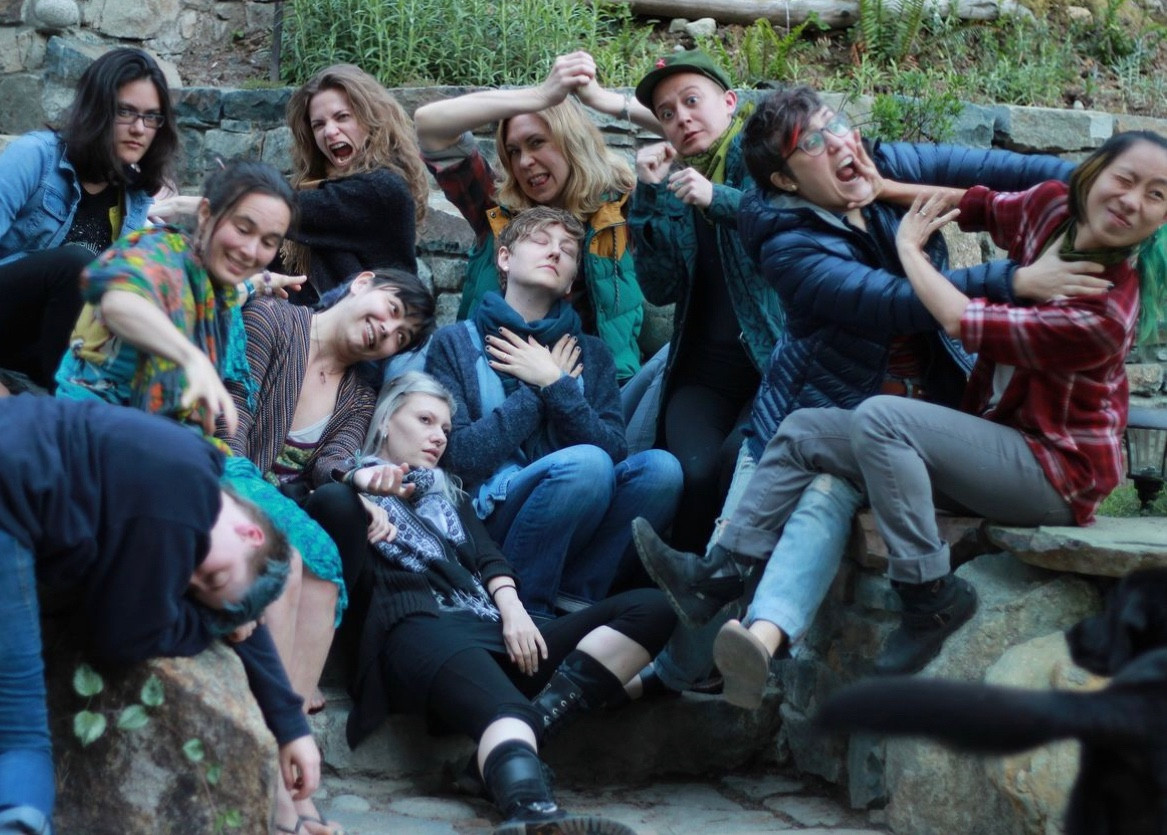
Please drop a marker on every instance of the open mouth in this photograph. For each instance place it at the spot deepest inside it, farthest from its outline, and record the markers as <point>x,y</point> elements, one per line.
<point>538,181</point>
<point>341,152</point>
<point>370,336</point>
<point>846,172</point>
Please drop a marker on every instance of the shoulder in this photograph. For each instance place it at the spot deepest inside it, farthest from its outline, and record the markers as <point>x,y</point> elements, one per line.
<point>40,149</point>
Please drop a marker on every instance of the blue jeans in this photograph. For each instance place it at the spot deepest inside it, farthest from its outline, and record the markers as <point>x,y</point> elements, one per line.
<point>565,524</point>
<point>798,572</point>
<point>26,757</point>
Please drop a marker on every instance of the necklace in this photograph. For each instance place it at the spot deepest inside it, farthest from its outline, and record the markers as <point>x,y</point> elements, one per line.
<point>324,375</point>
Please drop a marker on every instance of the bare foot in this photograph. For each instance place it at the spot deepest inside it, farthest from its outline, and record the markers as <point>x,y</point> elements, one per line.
<point>313,822</point>
<point>315,704</point>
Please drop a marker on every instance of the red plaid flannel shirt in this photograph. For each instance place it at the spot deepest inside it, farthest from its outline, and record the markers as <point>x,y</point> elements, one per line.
<point>468,183</point>
<point>1066,388</point>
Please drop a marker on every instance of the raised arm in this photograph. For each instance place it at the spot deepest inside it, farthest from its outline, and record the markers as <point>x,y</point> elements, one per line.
<point>440,123</point>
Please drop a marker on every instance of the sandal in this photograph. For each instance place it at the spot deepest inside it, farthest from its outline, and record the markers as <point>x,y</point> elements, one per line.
<point>333,828</point>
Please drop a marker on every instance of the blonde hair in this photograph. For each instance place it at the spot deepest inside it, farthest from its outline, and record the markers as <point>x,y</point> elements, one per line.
<point>595,173</point>
<point>391,144</point>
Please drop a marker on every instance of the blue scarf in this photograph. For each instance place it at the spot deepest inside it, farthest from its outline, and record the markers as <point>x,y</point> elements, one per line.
<point>494,313</point>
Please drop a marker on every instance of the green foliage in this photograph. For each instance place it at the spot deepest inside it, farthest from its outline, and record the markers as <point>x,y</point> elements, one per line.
<point>1124,501</point>
<point>888,29</point>
<point>88,726</point>
<point>87,681</point>
<point>474,42</point>
<point>193,750</point>
<point>229,819</point>
<point>758,52</point>
<point>152,694</point>
<point>915,111</point>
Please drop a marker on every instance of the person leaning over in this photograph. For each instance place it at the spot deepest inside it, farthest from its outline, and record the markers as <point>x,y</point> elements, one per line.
<point>124,511</point>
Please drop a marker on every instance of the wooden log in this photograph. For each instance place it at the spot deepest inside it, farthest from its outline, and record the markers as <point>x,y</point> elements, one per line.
<point>835,14</point>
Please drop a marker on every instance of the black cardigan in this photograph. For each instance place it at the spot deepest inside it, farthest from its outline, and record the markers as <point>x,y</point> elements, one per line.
<point>383,595</point>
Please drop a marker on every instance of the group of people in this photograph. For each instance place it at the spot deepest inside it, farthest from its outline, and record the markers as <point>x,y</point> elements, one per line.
<point>522,527</point>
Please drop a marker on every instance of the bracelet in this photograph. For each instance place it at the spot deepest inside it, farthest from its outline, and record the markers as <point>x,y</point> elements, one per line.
<point>627,105</point>
<point>497,589</point>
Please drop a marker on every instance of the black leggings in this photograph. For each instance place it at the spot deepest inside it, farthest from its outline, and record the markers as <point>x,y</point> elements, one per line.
<point>40,299</point>
<point>476,687</point>
<point>703,428</point>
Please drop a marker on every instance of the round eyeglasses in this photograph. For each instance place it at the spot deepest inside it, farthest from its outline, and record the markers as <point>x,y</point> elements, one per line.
<point>125,115</point>
<point>812,143</point>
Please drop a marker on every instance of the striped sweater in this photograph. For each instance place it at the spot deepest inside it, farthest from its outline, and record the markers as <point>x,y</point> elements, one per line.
<point>278,339</point>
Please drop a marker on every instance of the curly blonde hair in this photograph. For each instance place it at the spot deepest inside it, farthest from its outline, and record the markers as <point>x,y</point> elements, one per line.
<point>595,173</point>
<point>391,144</point>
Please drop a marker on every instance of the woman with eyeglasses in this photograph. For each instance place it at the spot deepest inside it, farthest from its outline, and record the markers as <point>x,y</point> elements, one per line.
<point>67,195</point>
<point>822,225</point>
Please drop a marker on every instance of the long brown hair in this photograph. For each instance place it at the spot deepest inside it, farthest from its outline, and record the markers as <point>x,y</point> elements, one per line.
<point>596,174</point>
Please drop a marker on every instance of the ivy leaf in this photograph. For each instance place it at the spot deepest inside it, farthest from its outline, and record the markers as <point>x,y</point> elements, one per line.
<point>213,774</point>
<point>193,749</point>
<point>233,819</point>
<point>86,681</point>
<point>152,694</point>
<point>88,726</point>
<point>133,718</point>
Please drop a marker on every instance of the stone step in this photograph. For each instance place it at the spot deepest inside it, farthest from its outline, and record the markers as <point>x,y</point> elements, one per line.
<point>690,734</point>
<point>1111,547</point>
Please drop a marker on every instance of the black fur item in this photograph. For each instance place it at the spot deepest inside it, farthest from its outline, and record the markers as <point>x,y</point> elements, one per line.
<point>1121,788</point>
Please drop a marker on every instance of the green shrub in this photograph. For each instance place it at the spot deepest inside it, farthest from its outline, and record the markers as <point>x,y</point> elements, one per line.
<point>758,53</point>
<point>462,42</point>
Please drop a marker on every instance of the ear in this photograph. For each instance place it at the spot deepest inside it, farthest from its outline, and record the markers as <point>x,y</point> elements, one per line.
<point>360,283</point>
<point>730,100</point>
<point>783,183</point>
<point>503,259</point>
<point>203,213</point>
<point>250,533</point>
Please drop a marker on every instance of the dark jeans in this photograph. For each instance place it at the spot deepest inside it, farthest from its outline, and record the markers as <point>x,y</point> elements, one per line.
<point>40,299</point>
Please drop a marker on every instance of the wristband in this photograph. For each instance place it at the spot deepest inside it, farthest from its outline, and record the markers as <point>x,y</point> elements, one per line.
<point>497,589</point>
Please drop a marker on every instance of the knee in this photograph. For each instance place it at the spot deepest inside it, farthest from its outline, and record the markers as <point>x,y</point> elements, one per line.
<point>336,507</point>
<point>876,421</point>
<point>656,467</point>
<point>585,468</point>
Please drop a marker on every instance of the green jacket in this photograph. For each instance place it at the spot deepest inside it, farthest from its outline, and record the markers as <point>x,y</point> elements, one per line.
<point>607,270</point>
<point>665,243</point>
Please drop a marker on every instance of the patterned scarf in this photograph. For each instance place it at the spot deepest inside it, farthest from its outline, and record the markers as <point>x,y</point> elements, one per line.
<point>711,163</point>
<point>428,530</point>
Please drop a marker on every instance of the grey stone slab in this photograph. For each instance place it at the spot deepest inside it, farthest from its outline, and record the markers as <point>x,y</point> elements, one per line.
<point>1111,547</point>
<point>759,788</point>
<point>1051,130</point>
<point>809,811</point>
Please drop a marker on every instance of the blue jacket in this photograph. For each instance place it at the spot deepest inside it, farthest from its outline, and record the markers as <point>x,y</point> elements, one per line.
<point>39,195</point>
<point>845,292</point>
<point>665,249</point>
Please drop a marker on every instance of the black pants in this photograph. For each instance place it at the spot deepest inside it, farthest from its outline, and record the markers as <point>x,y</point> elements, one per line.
<point>476,687</point>
<point>40,299</point>
<point>703,429</point>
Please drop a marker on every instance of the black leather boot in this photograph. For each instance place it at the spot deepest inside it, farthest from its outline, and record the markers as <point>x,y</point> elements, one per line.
<point>697,586</point>
<point>580,684</point>
<point>932,611</point>
<point>520,785</point>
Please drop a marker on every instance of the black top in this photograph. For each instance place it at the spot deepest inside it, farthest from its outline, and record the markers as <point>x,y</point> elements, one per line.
<point>92,227</point>
<point>117,506</point>
<point>355,223</point>
<point>384,595</point>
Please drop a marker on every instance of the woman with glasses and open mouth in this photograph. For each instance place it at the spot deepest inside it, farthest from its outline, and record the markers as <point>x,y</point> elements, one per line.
<point>67,195</point>
<point>822,225</point>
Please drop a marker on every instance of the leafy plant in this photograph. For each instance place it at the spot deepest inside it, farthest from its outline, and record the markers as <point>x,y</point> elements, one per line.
<point>888,29</point>
<point>915,110</point>
<point>90,724</point>
<point>758,53</point>
<point>210,773</point>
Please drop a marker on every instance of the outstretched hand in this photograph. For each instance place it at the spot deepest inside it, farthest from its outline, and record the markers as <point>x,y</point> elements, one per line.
<point>267,283</point>
<point>923,219</point>
<point>1049,277</point>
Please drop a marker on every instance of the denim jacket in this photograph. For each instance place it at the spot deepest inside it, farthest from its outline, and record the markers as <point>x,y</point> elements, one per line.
<point>39,195</point>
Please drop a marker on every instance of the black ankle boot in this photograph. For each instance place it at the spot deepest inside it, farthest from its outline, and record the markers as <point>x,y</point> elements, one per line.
<point>932,611</point>
<point>580,684</point>
<point>696,586</point>
<point>520,784</point>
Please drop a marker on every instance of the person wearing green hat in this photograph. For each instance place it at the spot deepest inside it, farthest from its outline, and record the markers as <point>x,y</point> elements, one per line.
<point>687,250</point>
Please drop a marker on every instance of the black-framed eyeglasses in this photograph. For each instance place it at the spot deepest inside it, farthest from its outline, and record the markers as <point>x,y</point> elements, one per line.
<point>812,143</point>
<point>125,115</point>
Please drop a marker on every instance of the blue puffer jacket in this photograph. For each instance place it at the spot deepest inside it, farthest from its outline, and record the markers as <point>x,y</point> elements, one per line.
<point>844,289</point>
<point>39,195</point>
